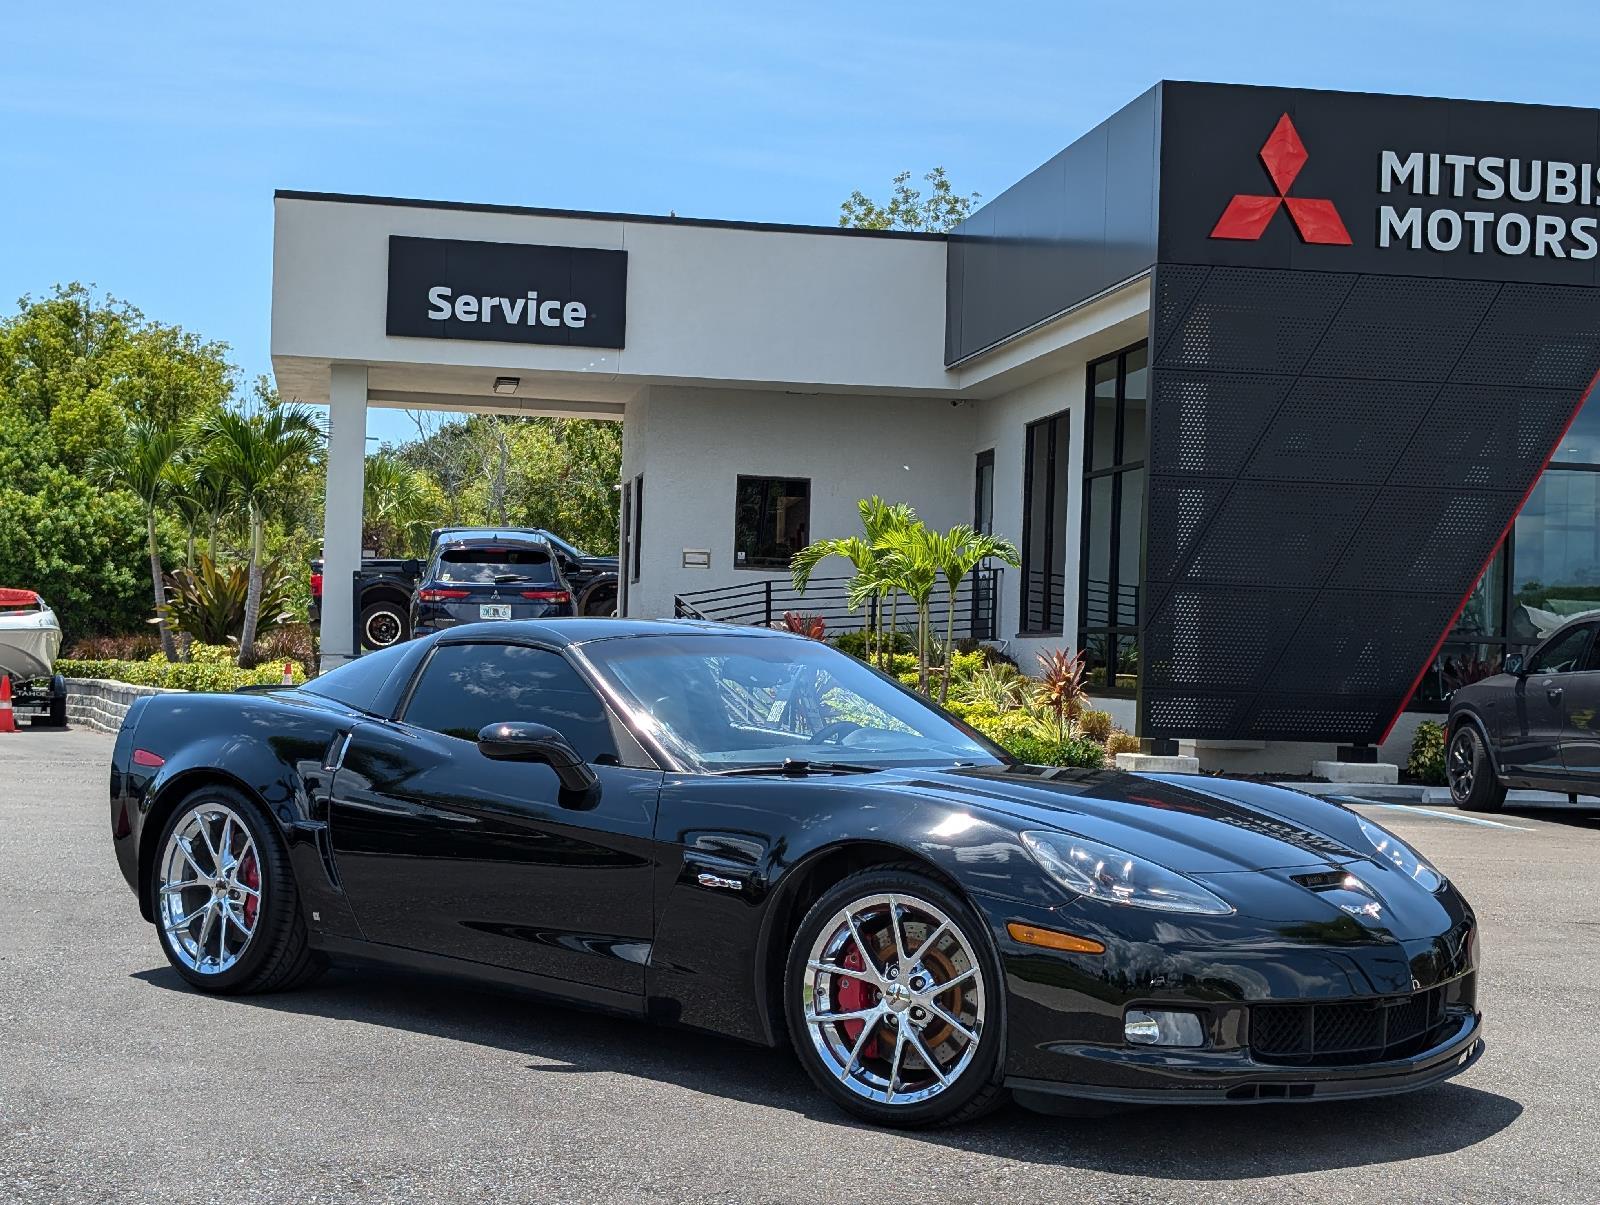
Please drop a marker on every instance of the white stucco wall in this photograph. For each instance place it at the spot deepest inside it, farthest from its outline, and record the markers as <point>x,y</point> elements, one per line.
<point>692,444</point>
<point>705,302</point>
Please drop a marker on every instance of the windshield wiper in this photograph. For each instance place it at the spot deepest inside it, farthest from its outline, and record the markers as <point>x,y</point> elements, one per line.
<point>797,766</point>
<point>503,579</point>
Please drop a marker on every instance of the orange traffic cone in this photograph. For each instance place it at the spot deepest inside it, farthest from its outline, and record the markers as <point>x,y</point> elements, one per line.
<point>288,674</point>
<point>8,717</point>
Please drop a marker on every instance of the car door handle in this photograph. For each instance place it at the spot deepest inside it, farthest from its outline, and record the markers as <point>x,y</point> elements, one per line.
<point>1553,693</point>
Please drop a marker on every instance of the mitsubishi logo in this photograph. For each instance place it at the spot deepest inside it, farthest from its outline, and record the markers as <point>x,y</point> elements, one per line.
<point>1247,216</point>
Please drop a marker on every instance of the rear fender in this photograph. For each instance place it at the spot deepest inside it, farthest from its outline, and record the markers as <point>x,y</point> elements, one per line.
<point>284,773</point>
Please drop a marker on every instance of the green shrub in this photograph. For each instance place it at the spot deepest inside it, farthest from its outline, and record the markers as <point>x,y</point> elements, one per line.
<point>1426,763</point>
<point>208,601</point>
<point>856,643</point>
<point>1121,742</point>
<point>1096,725</point>
<point>1035,741</point>
<point>208,675</point>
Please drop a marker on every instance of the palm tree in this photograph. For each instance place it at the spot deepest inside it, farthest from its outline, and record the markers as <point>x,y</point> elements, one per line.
<point>961,550</point>
<point>855,550</point>
<point>254,452</point>
<point>142,465</point>
<point>397,503</point>
<point>910,566</point>
<point>879,519</point>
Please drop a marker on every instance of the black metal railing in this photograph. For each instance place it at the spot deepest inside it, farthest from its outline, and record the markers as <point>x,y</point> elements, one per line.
<point>764,604</point>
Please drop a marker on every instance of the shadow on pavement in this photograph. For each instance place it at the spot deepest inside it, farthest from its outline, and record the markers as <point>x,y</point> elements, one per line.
<point>1207,1143</point>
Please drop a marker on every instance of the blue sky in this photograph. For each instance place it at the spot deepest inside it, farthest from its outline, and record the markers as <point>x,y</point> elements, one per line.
<point>140,153</point>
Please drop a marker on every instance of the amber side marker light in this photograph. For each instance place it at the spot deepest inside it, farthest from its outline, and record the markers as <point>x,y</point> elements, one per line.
<point>1030,935</point>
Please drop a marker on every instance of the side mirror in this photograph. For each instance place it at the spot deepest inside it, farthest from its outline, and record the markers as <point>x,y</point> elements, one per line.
<point>1512,664</point>
<point>541,743</point>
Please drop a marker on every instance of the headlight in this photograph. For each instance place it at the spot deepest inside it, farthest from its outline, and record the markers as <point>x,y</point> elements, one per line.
<point>1117,877</point>
<point>1396,853</point>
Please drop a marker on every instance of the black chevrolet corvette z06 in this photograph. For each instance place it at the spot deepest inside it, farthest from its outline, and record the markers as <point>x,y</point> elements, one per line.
<point>754,834</point>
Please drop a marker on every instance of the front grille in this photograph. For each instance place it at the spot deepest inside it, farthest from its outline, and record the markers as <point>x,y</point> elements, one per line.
<point>1361,1031</point>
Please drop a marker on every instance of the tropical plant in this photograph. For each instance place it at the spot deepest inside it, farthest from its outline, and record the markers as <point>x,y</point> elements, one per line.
<point>959,551</point>
<point>1096,725</point>
<point>813,627</point>
<point>909,565</point>
<point>208,603</point>
<point>399,505</point>
<point>997,688</point>
<point>1121,742</point>
<point>1060,685</point>
<point>1426,763</point>
<point>142,466</point>
<point>257,452</point>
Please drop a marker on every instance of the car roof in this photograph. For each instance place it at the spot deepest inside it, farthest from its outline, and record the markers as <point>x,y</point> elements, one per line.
<point>583,630</point>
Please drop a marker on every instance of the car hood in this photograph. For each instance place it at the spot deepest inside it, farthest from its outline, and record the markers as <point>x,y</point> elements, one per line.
<point>1192,825</point>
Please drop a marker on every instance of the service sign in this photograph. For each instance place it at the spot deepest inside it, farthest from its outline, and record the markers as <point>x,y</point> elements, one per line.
<point>507,292</point>
<point>1338,181</point>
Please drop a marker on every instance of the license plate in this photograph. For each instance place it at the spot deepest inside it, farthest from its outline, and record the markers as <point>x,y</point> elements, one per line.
<point>494,611</point>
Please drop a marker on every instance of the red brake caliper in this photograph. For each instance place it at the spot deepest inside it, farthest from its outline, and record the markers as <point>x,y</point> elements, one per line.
<point>250,876</point>
<point>854,995</point>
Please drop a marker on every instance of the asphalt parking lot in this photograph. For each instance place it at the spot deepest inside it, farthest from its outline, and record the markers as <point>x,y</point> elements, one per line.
<point>117,1082</point>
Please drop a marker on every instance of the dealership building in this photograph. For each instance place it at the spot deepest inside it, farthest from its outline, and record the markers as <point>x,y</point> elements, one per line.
<point>1279,392</point>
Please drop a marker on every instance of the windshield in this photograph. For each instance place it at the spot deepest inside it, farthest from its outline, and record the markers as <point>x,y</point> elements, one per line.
<point>725,702</point>
<point>494,564</point>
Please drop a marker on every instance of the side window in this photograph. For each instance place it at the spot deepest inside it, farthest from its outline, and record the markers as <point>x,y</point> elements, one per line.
<point>1563,654</point>
<point>467,686</point>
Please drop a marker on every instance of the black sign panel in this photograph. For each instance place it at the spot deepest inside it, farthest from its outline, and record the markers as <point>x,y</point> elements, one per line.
<point>507,292</point>
<point>1398,185</point>
<point>1372,320</point>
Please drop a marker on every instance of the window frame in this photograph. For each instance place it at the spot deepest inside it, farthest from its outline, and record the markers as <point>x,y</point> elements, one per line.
<point>1056,424</point>
<point>627,747</point>
<point>1124,461</point>
<point>767,565</point>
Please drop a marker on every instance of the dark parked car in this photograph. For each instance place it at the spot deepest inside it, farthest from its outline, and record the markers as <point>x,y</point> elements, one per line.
<point>383,599</point>
<point>1536,724</point>
<point>754,834</point>
<point>479,578</point>
<point>593,578</point>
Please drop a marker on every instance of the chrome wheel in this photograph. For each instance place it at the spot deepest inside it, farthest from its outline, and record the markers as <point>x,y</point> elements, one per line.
<point>893,999</point>
<point>209,889</point>
<point>1459,763</point>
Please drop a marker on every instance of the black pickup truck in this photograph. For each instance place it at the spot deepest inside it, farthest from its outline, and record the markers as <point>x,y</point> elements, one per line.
<point>383,600</point>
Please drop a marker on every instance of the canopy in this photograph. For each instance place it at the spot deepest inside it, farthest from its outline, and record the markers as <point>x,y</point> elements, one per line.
<point>18,598</point>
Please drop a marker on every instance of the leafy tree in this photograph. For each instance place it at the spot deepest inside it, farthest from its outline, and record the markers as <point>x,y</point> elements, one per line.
<point>258,452</point>
<point>907,209</point>
<point>143,466</point>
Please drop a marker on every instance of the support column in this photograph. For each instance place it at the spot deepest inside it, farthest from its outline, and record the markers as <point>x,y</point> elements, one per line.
<point>342,505</point>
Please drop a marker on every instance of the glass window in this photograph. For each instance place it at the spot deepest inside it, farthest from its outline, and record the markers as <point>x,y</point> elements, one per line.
<point>1582,442</point>
<point>1044,525</point>
<point>486,565</point>
<point>983,493</point>
<point>1556,554</point>
<point>1563,654</point>
<point>465,687</point>
<point>771,521</point>
<point>358,683</point>
<point>637,539</point>
<point>728,701</point>
<point>1113,519</point>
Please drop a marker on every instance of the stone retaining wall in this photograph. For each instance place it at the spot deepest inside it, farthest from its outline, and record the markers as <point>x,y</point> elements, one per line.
<point>100,703</point>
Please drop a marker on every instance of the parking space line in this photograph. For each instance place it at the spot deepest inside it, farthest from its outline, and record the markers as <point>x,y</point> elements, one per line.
<point>1456,816</point>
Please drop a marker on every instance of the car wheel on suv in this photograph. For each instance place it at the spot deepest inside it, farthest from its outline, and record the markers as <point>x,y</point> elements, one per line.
<point>1467,767</point>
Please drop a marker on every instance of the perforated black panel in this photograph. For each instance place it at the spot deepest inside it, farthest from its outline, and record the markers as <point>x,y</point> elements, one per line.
<point>1332,460</point>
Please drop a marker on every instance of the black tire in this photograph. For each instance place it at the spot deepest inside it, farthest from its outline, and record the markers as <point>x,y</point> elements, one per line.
<point>383,624</point>
<point>58,711</point>
<point>1473,785</point>
<point>976,1088</point>
<point>278,955</point>
<point>601,601</point>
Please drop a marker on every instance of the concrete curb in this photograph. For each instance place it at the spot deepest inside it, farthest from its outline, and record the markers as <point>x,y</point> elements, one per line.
<point>100,703</point>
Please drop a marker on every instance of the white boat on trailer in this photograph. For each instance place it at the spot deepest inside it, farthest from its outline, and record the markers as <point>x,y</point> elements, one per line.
<point>30,638</point>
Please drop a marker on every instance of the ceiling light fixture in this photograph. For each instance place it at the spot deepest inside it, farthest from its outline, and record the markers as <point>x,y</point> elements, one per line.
<point>506,384</point>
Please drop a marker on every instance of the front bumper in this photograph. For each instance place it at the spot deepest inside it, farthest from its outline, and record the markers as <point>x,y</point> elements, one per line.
<point>1152,1076</point>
